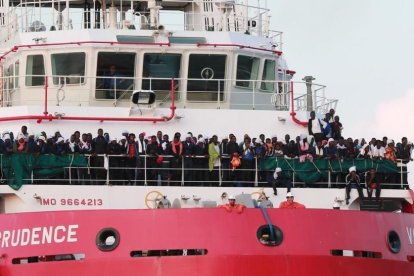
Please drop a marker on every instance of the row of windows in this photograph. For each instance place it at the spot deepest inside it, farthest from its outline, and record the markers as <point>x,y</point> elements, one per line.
<point>206,73</point>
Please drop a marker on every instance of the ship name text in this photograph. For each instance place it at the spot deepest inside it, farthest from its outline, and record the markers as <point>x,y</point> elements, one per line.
<point>39,235</point>
<point>71,202</point>
<point>410,233</point>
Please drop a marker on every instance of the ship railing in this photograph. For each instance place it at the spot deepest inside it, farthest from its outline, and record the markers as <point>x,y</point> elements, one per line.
<point>39,16</point>
<point>317,101</point>
<point>191,170</point>
<point>76,89</point>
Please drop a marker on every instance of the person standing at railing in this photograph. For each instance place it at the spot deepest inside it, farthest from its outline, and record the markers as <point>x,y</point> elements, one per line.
<point>23,132</point>
<point>214,161</point>
<point>232,148</point>
<point>114,162</point>
<point>142,150</point>
<point>260,155</point>
<point>7,144</point>
<point>247,163</point>
<point>225,160</point>
<point>304,149</point>
<point>176,161</point>
<point>188,153</point>
<point>85,147</point>
<point>20,145</point>
<point>132,152</point>
<point>200,163</point>
<point>378,152</point>
<point>316,126</point>
<point>99,146</point>
<point>154,150</point>
<point>336,128</point>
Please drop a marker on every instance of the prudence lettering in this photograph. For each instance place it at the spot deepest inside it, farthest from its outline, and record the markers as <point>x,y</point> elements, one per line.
<point>38,235</point>
<point>410,233</point>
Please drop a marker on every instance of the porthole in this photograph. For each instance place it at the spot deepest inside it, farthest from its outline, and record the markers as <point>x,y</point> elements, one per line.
<point>107,239</point>
<point>394,242</point>
<point>270,236</point>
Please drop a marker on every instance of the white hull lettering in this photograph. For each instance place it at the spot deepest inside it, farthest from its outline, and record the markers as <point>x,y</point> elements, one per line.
<point>410,233</point>
<point>39,235</point>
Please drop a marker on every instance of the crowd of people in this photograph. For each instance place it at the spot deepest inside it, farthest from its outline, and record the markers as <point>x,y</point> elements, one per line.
<point>206,160</point>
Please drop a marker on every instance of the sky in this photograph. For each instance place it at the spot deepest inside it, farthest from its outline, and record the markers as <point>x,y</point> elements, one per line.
<point>363,50</point>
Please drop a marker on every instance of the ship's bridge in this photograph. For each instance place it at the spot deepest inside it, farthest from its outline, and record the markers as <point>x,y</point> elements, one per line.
<point>212,54</point>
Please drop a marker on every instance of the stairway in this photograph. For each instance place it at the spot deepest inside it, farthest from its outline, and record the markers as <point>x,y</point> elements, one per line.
<point>381,205</point>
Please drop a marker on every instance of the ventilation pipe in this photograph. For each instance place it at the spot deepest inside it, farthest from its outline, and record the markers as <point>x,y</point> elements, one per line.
<point>309,97</point>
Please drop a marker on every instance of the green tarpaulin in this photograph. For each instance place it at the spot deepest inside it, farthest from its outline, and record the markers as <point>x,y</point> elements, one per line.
<point>311,172</point>
<point>18,168</point>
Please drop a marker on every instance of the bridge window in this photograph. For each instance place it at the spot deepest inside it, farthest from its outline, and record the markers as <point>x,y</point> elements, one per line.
<point>269,76</point>
<point>115,75</point>
<point>247,71</point>
<point>206,77</point>
<point>35,70</point>
<point>158,70</point>
<point>12,74</point>
<point>68,68</point>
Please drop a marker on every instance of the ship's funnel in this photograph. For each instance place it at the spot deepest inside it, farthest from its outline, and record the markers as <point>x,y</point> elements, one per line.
<point>309,96</point>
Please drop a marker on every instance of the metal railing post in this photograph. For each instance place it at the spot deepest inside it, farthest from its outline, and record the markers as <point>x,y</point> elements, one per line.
<point>107,171</point>
<point>220,180</point>
<point>329,179</point>
<point>182,170</point>
<point>256,176</point>
<point>253,94</point>
<point>70,176</point>
<point>218,95</point>
<point>145,170</point>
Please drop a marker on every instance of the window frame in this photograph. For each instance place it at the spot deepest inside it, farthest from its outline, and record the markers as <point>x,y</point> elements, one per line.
<point>82,78</point>
<point>250,81</point>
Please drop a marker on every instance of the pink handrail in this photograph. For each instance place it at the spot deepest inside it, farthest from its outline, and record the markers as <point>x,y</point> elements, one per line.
<point>50,117</point>
<point>17,47</point>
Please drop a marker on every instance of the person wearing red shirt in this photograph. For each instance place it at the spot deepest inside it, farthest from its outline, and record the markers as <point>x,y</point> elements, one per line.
<point>232,205</point>
<point>290,203</point>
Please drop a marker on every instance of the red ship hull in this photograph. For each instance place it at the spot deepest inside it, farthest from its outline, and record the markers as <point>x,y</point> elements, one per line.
<point>229,240</point>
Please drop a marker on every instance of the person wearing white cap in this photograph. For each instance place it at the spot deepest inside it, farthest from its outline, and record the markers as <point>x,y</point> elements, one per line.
<point>352,181</point>
<point>280,180</point>
<point>7,144</point>
<point>41,145</point>
<point>20,144</point>
<point>232,205</point>
<point>61,148</point>
<point>290,203</point>
<point>331,151</point>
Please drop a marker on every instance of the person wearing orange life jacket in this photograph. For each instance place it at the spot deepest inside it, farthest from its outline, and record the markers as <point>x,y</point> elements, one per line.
<point>290,203</point>
<point>232,205</point>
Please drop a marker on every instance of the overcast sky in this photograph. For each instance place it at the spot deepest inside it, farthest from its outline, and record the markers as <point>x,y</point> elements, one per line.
<point>363,50</point>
